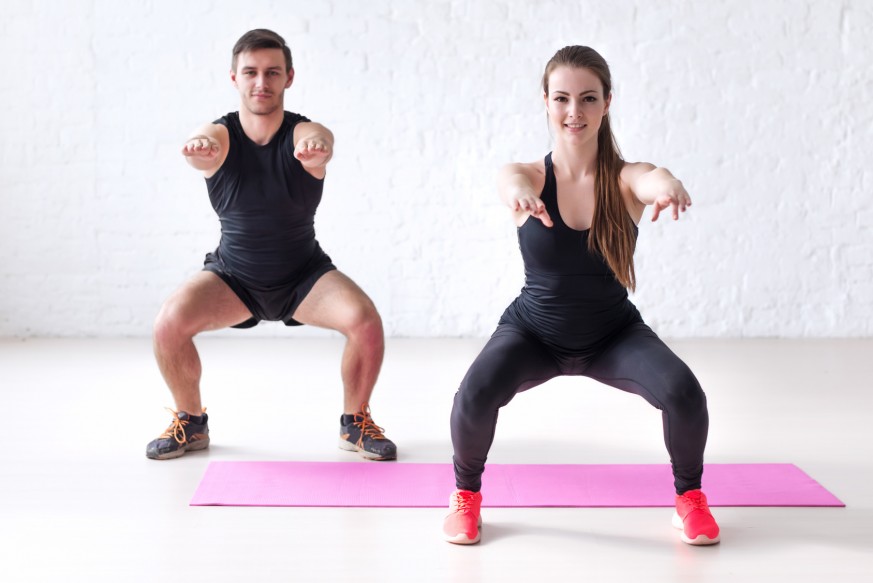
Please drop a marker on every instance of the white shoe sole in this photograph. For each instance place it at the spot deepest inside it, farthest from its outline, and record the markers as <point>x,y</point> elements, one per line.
<point>463,539</point>
<point>348,446</point>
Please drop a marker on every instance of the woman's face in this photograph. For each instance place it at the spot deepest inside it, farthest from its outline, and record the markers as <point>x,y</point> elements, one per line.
<point>575,104</point>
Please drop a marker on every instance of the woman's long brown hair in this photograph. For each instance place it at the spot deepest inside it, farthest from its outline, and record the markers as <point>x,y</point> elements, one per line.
<point>613,233</point>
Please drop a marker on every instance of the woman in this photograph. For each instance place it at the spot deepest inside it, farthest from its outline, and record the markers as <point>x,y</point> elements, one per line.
<point>576,213</point>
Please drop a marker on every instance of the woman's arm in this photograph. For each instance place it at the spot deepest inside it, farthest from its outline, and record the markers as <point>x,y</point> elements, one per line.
<point>515,186</point>
<point>655,186</point>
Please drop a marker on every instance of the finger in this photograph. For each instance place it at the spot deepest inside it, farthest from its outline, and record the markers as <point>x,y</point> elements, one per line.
<point>675,207</point>
<point>543,215</point>
<point>656,211</point>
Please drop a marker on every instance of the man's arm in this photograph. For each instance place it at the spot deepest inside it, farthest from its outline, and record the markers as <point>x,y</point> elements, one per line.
<point>206,148</point>
<point>313,146</point>
<point>657,187</point>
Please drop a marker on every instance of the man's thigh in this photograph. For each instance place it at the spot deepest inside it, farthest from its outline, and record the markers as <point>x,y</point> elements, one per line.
<point>205,302</point>
<point>334,302</point>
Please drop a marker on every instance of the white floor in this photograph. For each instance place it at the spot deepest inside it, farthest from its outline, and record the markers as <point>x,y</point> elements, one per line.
<point>80,502</point>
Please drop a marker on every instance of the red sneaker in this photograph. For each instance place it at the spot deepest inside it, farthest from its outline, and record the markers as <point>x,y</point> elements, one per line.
<point>461,526</point>
<point>694,518</point>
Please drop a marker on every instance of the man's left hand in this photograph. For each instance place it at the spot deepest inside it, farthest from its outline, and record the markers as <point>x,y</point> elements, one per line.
<point>312,152</point>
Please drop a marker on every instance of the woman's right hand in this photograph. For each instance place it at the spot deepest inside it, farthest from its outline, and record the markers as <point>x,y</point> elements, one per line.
<point>528,203</point>
<point>515,185</point>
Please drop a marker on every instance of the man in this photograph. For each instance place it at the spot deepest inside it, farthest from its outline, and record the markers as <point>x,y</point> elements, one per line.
<point>264,170</point>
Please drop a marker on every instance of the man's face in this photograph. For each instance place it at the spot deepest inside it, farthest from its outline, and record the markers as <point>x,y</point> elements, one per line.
<point>261,80</point>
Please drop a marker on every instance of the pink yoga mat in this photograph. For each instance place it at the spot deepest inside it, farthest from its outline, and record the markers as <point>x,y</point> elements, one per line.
<point>391,484</point>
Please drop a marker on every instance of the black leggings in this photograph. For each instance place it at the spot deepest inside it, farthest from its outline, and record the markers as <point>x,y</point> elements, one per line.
<point>634,360</point>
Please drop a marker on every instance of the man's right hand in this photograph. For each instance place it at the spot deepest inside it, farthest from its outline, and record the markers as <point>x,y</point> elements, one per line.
<point>202,147</point>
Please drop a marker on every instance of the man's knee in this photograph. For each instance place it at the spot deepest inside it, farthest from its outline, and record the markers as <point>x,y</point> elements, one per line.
<point>367,322</point>
<point>363,320</point>
<point>171,323</point>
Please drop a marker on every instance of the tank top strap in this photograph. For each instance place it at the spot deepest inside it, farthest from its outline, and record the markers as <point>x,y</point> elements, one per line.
<point>549,195</point>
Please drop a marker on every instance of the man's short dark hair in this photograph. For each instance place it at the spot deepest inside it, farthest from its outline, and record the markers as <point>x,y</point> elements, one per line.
<point>261,38</point>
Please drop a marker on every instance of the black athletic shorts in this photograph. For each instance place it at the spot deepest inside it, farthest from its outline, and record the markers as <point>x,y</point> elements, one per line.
<point>272,303</point>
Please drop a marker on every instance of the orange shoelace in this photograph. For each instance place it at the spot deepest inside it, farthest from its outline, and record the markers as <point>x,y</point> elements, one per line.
<point>367,426</point>
<point>177,428</point>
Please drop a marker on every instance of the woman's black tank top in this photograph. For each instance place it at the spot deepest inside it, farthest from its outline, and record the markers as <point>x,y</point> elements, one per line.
<point>571,298</point>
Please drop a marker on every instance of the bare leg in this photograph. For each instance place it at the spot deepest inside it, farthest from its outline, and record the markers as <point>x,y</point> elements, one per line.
<point>203,303</point>
<point>337,303</point>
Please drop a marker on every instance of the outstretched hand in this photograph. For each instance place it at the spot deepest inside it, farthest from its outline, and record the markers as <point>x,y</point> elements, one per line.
<point>202,147</point>
<point>676,198</point>
<point>532,205</point>
<point>312,152</point>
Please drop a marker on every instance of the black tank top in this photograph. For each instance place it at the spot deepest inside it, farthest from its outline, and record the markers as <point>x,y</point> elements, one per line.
<point>266,203</point>
<point>571,298</point>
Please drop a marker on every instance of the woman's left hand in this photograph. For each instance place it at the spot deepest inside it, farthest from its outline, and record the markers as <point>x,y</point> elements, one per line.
<point>674,196</point>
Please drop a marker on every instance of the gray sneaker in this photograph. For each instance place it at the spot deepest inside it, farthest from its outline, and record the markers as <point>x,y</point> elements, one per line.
<point>182,435</point>
<point>365,437</point>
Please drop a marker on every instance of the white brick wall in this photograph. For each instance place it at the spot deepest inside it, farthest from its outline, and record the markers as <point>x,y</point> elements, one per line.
<point>764,109</point>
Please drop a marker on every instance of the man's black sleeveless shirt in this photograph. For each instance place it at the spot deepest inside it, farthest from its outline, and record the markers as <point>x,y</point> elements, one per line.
<point>571,299</point>
<point>266,202</point>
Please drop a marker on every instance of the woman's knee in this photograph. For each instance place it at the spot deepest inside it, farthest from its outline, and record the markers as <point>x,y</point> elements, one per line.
<point>683,393</point>
<point>484,390</point>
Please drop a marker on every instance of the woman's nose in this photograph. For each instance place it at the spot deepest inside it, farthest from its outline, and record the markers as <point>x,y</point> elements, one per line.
<point>576,110</point>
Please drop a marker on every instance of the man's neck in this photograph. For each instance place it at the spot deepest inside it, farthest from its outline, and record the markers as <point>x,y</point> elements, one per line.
<point>261,128</point>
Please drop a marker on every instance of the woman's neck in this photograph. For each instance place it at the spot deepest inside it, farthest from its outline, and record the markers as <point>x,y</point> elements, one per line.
<point>576,161</point>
